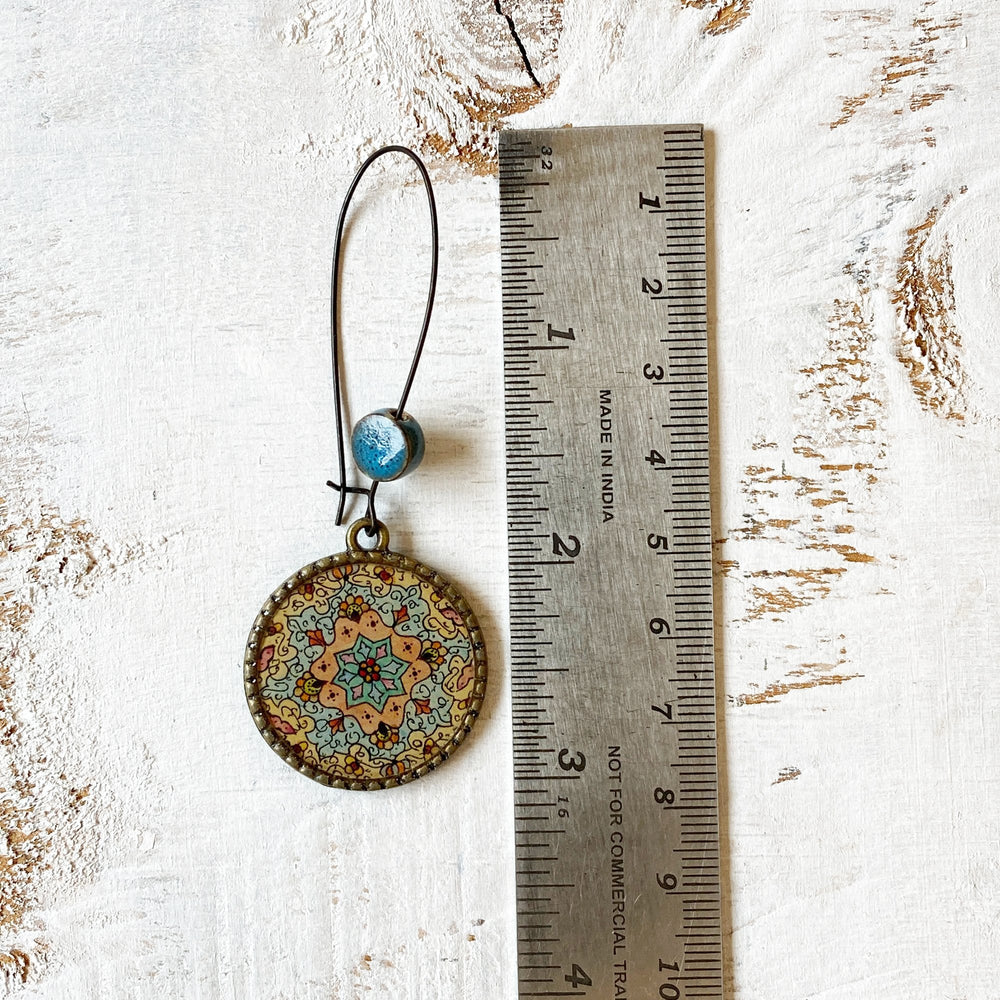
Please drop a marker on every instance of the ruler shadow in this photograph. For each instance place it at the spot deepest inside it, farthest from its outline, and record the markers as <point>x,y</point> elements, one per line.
<point>715,479</point>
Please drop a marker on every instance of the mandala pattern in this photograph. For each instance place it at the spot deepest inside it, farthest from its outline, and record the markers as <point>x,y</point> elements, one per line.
<point>365,670</point>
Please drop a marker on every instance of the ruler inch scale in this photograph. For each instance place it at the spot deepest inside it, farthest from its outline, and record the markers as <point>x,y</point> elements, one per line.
<point>603,251</point>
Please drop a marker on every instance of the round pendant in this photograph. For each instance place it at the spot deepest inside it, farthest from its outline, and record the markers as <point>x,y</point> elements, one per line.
<point>365,669</point>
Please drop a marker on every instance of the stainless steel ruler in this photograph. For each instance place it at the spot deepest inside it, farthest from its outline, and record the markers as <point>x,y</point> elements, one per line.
<point>612,669</point>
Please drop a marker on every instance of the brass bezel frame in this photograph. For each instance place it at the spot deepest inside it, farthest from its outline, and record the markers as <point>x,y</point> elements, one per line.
<point>377,557</point>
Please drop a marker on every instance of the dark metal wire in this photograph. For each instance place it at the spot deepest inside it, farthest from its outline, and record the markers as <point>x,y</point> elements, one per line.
<point>342,488</point>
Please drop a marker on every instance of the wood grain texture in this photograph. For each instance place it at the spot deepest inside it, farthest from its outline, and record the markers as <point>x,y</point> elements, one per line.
<point>456,70</point>
<point>169,180</point>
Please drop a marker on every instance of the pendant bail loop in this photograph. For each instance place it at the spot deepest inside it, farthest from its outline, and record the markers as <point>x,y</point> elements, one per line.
<point>372,526</point>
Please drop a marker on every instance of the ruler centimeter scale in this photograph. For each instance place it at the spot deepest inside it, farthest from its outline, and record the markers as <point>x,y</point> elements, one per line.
<point>612,663</point>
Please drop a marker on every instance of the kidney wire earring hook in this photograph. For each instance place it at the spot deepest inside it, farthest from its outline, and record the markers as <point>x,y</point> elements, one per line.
<point>387,444</point>
<point>366,669</point>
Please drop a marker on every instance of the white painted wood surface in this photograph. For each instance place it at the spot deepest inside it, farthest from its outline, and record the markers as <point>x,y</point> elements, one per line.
<point>170,174</point>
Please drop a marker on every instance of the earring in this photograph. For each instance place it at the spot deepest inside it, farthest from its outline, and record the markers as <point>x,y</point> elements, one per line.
<point>366,669</point>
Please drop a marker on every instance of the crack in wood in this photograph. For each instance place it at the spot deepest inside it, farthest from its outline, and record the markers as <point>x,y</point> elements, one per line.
<point>517,42</point>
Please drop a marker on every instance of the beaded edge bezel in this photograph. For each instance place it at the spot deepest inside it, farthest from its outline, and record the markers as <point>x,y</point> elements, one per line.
<point>377,558</point>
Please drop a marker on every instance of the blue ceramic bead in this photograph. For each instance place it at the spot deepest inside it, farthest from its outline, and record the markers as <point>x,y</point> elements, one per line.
<point>385,446</point>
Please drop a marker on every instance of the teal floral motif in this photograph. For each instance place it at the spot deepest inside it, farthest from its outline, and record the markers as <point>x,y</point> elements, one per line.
<point>370,673</point>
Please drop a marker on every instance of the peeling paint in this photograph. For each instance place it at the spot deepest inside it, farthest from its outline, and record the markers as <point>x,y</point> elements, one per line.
<point>806,535</point>
<point>483,112</point>
<point>912,62</point>
<point>789,773</point>
<point>40,807</point>
<point>930,347</point>
<point>727,566</point>
<point>779,689</point>
<point>804,675</point>
<point>919,101</point>
<point>49,833</point>
<point>836,457</point>
<point>801,587</point>
<point>614,32</point>
<point>726,14</point>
